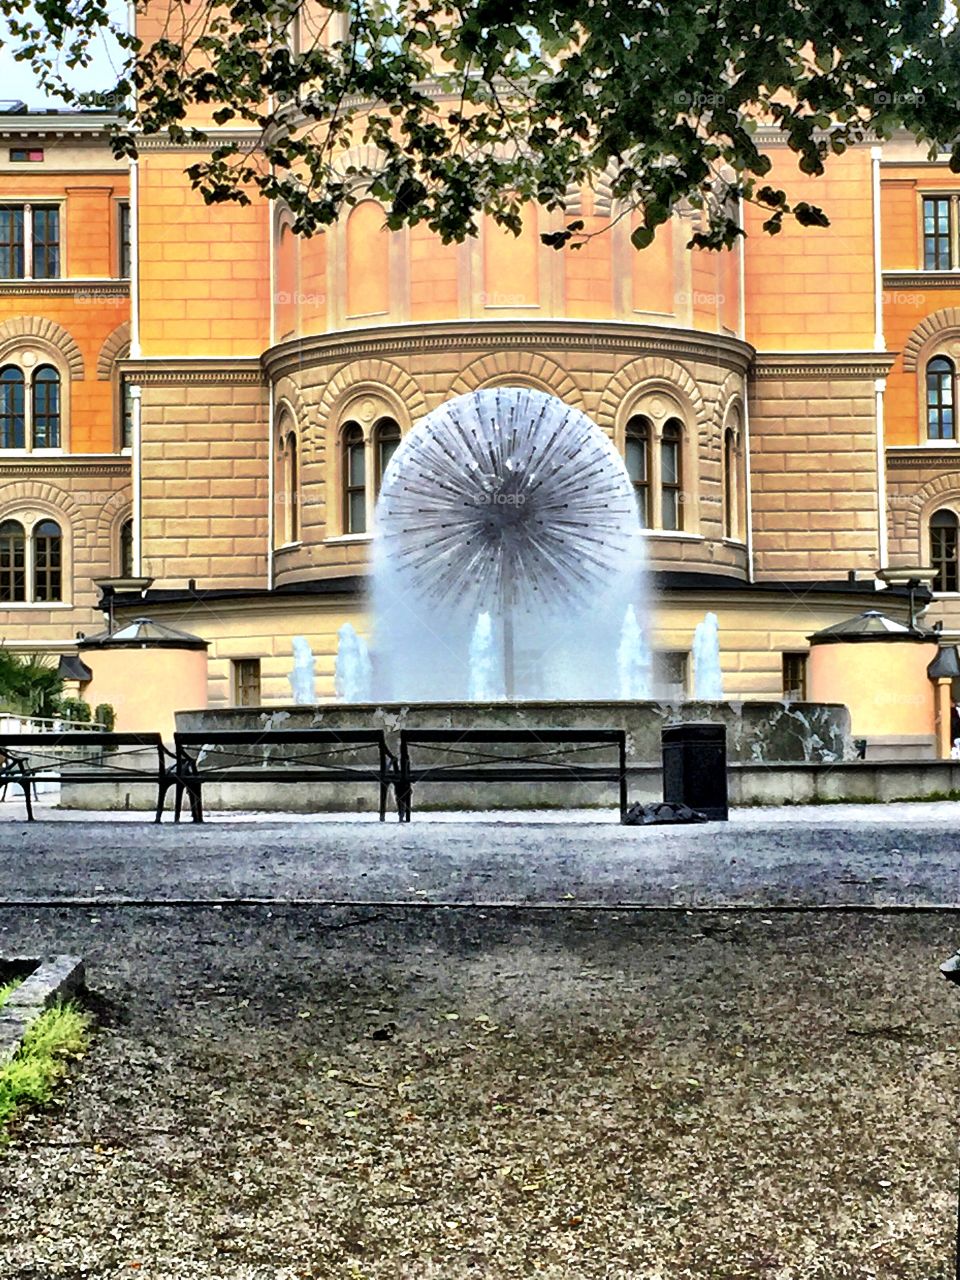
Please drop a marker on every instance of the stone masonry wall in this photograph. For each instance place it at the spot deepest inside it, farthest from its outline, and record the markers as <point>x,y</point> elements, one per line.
<point>205,476</point>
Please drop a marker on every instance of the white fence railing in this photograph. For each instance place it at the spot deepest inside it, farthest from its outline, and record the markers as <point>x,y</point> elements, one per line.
<point>15,725</point>
<point>10,723</point>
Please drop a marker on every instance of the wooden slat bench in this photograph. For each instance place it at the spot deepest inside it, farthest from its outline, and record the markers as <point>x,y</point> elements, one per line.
<point>84,757</point>
<point>543,761</point>
<point>258,755</point>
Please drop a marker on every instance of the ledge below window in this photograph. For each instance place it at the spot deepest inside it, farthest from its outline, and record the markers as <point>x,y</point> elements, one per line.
<point>347,537</point>
<point>35,605</point>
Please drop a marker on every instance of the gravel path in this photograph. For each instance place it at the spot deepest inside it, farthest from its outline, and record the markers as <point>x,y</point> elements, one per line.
<point>388,1092</point>
<point>908,856</point>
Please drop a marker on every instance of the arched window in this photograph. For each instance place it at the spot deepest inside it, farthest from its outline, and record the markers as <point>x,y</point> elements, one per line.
<point>637,458</point>
<point>944,527</point>
<point>13,562</point>
<point>354,480</point>
<point>671,475</point>
<point>126,549</point>
<point>940,379</point>
<point>387,438</point>
<point>13,426</point>
<point>46,408</point>
<point>47,561</point>
<point>291,488</point>
<point>731,512</point>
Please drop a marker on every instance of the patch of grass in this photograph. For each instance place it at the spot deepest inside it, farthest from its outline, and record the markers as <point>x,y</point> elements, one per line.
<point>7,990</point>
<point>59,1035</point>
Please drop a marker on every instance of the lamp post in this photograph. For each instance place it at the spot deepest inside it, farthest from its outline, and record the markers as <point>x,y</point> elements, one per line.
<point>951,971</point>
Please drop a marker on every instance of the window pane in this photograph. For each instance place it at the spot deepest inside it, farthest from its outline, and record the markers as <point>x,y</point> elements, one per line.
<point>671,509</point>
<point>126,549</point>
<point>669,462</point>
<point>943,550</point>
<point>12,399</point>
<point>46,408</point>
<point>936,234</point>
<point>12,259</point>
<point>124,237</point>
<point>126,411</point>
<point>356,465</point>
<point>388,441</point>
<point>940,376</point>
<point>46,243</point>
<point>13,577</point>
<point>357,512</point>
<point>47,577</point>
<point>636,459</point>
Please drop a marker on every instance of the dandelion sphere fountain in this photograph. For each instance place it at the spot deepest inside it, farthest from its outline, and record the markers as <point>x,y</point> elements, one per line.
<point>512,504</point>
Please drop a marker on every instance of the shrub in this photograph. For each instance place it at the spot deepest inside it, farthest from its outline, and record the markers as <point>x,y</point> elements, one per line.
<point>75,709</point>
<point>105,715</point>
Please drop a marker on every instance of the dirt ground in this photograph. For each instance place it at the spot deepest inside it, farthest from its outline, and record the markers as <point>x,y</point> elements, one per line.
<point>401,1094</point>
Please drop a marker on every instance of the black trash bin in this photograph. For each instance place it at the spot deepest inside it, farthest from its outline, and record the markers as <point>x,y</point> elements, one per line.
<point>695,768</point>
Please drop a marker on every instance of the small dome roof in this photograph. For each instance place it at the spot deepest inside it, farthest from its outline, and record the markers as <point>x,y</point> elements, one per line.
<point>143,633</point>
<point>869,625</point>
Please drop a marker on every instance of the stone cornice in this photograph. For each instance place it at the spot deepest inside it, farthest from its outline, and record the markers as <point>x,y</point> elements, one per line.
<point>824,364</point>
<point>631,340</point>
<point>915,456</point>
<point>246,140</point>
<point>76,465</point>
<point>893,280</point>
<point>79,289</point>
<point>171,371</point>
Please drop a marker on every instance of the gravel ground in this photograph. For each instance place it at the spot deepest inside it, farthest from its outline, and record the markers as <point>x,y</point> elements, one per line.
<point>384,1094</point>
<point>909,856</point>
<point>419,1093</point>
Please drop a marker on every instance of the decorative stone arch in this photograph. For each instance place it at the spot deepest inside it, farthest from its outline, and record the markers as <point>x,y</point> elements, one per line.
<point>939,326</point>
<point>48,498</point>
<point>518,368</point>
<point>21,330</point>
<point>373,377</point>
<point>115,346</point>
<point>288,392</point>
<point>637,379</point>
<point>941,491</point>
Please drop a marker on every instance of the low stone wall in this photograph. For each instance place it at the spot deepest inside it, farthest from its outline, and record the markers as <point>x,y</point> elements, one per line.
<point>756,731</point>
<point>749,784</point>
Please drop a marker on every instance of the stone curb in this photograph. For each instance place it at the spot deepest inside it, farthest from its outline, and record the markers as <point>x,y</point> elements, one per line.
<point>55,978</point>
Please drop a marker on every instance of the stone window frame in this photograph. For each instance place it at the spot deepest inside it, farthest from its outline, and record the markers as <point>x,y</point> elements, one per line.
<point>944,344</point>
<point>27,203</point>
<point>30,355</point>
<point>30,516</point>
<point>287,525</point>
<point>366,406</point>
<point>943,508</point>
<point>953,199</point>
<point>661,402</point>
<point>925,406</point>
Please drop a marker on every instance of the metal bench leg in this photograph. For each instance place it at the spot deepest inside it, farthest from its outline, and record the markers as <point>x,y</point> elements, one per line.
<point>163,787</point>
<point>194,791</point>
<point>25,784</point>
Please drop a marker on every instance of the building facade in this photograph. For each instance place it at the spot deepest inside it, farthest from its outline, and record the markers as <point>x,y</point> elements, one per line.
<point>197,396</point>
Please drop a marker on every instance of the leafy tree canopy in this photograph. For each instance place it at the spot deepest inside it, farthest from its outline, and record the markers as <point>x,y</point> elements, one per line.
<point>460,109</point>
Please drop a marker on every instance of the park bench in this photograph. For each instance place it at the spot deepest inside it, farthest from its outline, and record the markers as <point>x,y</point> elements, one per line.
<point>265,755</point>
<point>539,755</point>
<point>84,757</point>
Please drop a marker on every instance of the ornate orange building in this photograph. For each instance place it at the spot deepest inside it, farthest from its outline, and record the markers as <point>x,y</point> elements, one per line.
<point>195,395</point>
